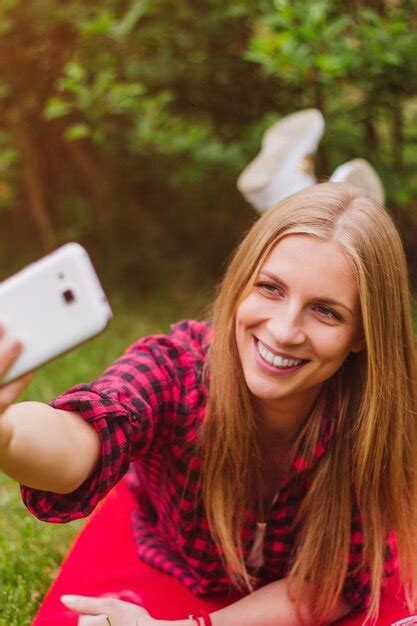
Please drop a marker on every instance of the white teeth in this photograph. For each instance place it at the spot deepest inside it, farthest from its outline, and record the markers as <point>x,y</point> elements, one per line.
<point>269,357</point>
<point>274,360</point>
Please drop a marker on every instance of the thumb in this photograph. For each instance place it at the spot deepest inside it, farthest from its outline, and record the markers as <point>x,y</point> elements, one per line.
<point>85,604</point>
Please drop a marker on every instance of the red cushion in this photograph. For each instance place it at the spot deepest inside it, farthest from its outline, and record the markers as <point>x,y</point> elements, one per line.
<point>103,561</point>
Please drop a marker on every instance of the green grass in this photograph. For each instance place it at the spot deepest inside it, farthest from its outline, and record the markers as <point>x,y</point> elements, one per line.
<point>30,550</point>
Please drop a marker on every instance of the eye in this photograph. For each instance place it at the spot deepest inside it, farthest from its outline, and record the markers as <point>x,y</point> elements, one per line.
<point>325,312</point>
<point>268,288</point>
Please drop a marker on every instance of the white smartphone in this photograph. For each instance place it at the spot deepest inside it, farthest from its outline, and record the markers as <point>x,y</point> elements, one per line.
<point>52,306</point>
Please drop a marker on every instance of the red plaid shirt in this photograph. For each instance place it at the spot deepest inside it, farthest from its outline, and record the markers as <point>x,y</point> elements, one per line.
<point>148,408</point>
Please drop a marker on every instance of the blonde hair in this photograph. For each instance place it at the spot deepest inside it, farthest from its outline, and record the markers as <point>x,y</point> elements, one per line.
<point>372,457</point>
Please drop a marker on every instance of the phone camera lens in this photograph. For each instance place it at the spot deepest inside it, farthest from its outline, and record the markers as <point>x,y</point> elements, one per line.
<point>68,296</point>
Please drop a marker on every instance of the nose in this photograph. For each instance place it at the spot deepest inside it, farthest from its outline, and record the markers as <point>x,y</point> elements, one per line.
<point>286,326</point>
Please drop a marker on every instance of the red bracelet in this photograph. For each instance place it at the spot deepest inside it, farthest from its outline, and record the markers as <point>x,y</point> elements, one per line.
<point>204,615</point>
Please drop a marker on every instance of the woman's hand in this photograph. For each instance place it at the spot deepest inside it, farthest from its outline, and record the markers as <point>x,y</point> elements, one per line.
<point>107,612</point>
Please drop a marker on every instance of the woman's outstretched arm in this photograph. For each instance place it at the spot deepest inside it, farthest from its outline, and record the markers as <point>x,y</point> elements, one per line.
<point>42,447</point>
<point>46,448</point>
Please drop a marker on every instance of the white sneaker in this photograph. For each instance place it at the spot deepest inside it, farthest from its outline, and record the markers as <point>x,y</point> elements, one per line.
<point>360,173</point>
<point>285,163</point>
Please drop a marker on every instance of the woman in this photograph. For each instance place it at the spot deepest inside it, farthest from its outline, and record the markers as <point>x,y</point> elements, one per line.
<point>274,448</point>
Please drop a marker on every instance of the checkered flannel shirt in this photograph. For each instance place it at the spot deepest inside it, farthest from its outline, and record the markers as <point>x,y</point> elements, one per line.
<point>147,408</point>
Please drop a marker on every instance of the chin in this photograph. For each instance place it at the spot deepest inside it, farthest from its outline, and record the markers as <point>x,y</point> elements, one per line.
<point>264,391</point>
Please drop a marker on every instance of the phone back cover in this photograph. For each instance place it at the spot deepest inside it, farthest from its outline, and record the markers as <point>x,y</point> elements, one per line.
<point>34,308</point>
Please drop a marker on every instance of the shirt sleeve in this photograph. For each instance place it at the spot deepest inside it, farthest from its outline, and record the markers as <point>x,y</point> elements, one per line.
<point>130,405</point>
<point>357,587</point>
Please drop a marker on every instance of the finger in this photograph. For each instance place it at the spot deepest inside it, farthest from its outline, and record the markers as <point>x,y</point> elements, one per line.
<point>9,355</point>
<point>87,605</point>
<point>96,620</point>
<point>125,595</point>
<point>10,392</point>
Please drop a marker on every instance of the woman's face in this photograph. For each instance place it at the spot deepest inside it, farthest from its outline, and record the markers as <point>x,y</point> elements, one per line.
<point>304,305</point>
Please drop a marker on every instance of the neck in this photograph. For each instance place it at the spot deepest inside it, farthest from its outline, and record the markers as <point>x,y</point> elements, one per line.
<point>280,424</point>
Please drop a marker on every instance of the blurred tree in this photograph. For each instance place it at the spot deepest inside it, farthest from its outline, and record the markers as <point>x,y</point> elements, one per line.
<point>355,61</point>
<point>133,111</point>
<point>27,70</point>
<point>306,45</point>
<point>124,123</point>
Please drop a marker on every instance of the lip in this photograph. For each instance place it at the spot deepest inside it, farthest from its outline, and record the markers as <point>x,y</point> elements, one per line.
<point>270,369</point>
<point>284,355</point>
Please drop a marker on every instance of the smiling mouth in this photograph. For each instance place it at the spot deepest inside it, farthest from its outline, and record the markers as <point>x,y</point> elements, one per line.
<point>276,361</point>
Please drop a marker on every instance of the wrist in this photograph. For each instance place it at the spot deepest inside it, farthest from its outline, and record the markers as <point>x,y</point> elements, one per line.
<point>201,618</point>
<point>176,622</point>
<point>181,622</point>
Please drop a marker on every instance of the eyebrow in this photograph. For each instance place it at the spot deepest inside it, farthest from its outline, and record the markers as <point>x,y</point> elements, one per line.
<point>318,299</point>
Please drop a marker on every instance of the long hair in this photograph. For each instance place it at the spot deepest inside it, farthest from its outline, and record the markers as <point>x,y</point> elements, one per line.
<point>371,460</point>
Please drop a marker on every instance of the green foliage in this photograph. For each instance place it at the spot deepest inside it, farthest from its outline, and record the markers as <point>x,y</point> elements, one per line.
<point>96,99</point>
<point>9,157</point>
<point>103,88</point>
<point>148,110</point>
<point>304,43</point>
<point>359,68</point>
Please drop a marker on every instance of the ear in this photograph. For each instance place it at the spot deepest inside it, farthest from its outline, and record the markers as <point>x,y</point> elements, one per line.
<point>359,345</point>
